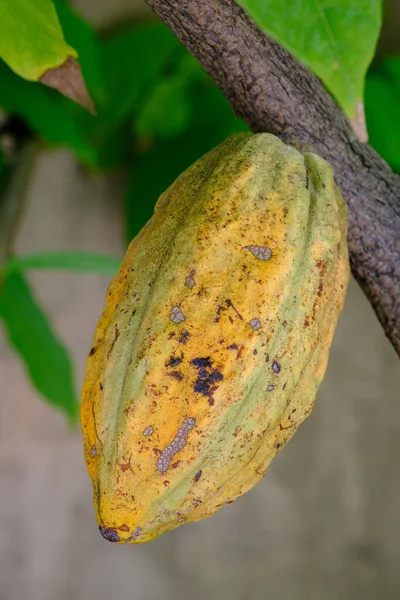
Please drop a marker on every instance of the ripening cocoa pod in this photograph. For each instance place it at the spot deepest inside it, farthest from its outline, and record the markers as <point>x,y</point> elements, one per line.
<point>215,336</point>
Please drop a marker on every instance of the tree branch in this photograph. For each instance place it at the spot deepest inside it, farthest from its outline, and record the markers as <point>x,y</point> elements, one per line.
<point>272,92</point>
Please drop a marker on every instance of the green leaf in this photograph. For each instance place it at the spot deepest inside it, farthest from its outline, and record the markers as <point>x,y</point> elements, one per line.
<point>336,39</point>
<point>81,36</point>
<point>157,167</point>
<point>44,110</point>
<point>83,262</point>
<point>30,333</point>
<point>31,38</point>
<point>382,109</point>
<point>132,62</point>
<point>166,110</point>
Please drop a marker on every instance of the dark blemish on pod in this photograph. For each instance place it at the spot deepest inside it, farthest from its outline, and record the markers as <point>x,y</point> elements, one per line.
<point>219,310</point>
<point>176,375</point>
<point>173,361</point>
<point>198,475</point>
<point>284,386</point>
<point>176,315</point>
<point>185,335</point>
<point>148,431</point>
<point>206,378</point>
<point>124,527</point>
<point>267,358</point>
<point>260,252</point>
<point>92,351</point>
<point>233,347</point>
<point>276,367</point>
<point>270,388</point>
<point>109,534</point>
<point>205,382</point>
<point>176,445</point>
<point>255,324</point>
<point>202,362</point>
<point>101,386</point>
<point>189,281</point>
<point>307,179</point>
<point>254,352</point>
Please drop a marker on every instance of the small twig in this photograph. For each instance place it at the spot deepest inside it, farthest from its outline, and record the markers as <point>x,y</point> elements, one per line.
<point>13,197</point>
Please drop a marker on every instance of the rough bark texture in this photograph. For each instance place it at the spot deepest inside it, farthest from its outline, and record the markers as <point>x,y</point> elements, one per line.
<point>272,92</point>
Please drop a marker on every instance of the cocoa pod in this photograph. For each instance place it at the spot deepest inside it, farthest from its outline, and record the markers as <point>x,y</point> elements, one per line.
<point>215,336</point>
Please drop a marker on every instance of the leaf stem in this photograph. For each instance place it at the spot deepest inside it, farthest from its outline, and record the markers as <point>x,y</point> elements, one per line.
<point>14,195</point>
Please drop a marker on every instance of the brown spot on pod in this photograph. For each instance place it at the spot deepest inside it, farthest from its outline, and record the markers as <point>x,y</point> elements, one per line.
<point>116,336</point>
<point>176,315</point>
<point>230,304</point>
<point>176,445</point>
<point>198,475</point>
<point>255,324</point>
<point>260,252</point>
<point>176,375</point>
<point>125,467</point>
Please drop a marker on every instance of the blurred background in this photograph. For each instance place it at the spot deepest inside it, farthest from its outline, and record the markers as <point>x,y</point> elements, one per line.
<point>325,521</point>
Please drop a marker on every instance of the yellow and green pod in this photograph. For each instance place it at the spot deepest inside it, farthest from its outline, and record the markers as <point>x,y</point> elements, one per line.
<point>215,336</point>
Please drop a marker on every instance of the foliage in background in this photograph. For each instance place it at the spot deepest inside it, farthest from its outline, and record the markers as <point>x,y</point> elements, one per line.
<point>31,37</point>
<point>30,333</point>
<point>156,108</point>
<point>382,94</point>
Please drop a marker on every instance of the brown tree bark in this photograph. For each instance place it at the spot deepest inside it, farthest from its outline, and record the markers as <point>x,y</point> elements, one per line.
<point>273,92</point>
